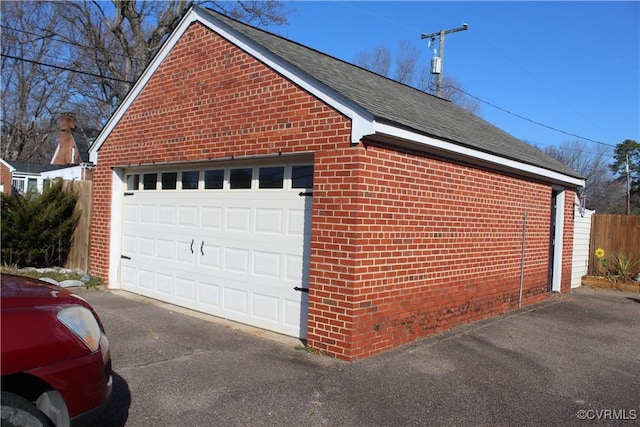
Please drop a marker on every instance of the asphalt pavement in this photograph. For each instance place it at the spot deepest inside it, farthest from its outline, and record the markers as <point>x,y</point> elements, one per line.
<point>571,360</point>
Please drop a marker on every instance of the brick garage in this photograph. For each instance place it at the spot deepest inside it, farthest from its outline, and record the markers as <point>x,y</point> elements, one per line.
<point>418,207</point>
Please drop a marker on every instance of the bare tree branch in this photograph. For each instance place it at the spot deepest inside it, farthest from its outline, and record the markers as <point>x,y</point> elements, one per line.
<point>30,92</point>
<point>409,71</point>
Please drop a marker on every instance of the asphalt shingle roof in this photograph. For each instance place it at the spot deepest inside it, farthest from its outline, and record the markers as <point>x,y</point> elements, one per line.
<point>83,141</point>
<point>35,168</point>
<point>395,103</point>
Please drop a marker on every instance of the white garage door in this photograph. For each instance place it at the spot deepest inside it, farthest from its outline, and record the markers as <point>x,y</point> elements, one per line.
<point>228,241</point>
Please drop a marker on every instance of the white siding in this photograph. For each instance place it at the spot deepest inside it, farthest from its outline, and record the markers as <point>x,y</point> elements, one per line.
<point>68,174</point>
<point>581,236</point>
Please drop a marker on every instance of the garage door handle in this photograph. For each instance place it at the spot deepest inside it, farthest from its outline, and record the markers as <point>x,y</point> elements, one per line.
<point>201,248</point>
<point>301,289</point>
<point>125,257</point>
<point>192,241</point>
<point>305,193</point>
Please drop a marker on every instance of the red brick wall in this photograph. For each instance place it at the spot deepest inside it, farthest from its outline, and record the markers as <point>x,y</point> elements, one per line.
<point>425,245</point>
<point>403,245</point>
<point>209,100</point>
<point>6,178</point>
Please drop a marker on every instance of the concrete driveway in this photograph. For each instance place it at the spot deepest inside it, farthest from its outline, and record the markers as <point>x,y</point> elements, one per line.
<point>571,358</point>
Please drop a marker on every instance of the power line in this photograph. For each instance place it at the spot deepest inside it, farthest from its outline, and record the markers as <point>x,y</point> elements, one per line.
<point>400,25</point>
<point>66,69</point>
<point>59,40</point>
<point>126,81</point>
<point>35,53</point>
<point>530,120</point>
<point>525,71</point>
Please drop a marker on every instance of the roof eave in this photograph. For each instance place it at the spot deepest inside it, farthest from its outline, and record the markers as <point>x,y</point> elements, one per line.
<point>390,133</point>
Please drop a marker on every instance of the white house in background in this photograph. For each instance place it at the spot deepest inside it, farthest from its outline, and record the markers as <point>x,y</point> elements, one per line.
<point>21,177</point>
<point>69,162</point>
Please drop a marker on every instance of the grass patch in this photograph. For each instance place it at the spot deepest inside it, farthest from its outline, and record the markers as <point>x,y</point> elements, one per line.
<point>306,349</point>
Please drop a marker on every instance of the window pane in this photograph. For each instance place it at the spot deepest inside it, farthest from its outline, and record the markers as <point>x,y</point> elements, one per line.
<point>271,177</point>
<point>169,180</point>
<point>240,178</point>
<point>149,181</point>
<point>213,179</point>
<point>190,180</point>
<point>133,182</point>
<point>32,185</point>
<point>18,185</point>
<point>302,176</point>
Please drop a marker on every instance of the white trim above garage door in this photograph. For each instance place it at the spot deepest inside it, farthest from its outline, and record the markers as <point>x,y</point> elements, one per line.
<point>231,241</point>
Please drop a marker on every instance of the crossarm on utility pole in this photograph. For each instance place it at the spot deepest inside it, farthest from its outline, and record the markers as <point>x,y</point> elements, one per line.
<point>441,34</point>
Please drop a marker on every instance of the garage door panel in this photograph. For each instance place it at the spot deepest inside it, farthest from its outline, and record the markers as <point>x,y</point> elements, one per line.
<point>238,219</point>
<point>269,221</point>
<point>236,260</point>
<point>164,284</point>
<point>184,253</point>
<point>167,215</point>
<point>165,249</point>
<point>210,256</point>
<point>295,222</point>
<point>209,294</point>
<point>293,314</point>
<point>145,278</point>
<point>146,247</point>
<point>235,300</point>
<point>131,214</point>
<point>130,244</point>
<point>266,264</point>
<point>211,218</point>
<point>265,307</point>
<point>236,254</point>
<point>294,268</point>
<point>148,214</point>
<point>188,216</point>
<point>129,276</point>
<point>185,288</point>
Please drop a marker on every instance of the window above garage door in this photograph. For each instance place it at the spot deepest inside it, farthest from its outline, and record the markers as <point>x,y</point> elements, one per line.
<point>232,178</point>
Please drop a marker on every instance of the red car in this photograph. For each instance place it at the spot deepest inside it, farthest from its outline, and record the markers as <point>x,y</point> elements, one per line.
<point>56,364</point>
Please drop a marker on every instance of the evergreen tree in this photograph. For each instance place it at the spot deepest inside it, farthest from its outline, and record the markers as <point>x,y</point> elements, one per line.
<point>37,229</point>
<point>631,149</point>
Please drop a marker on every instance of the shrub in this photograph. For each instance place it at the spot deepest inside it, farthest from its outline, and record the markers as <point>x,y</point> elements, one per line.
<point>624,267</point>
<point>37,229</point>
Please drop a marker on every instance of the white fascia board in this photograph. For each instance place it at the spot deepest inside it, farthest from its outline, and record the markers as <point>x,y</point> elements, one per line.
<point>19,174</point>
<point>11,168</point>
<point>55,153</point>
<point>481,157</point>
<point>361,120</point>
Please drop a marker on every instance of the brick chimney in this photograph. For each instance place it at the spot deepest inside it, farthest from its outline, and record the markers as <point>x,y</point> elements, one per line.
<point>66,153</point>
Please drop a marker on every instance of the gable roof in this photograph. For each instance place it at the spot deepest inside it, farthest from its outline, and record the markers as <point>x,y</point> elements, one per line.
<point>28,168</point>
<point>378,106</point>
<point>83,140</point>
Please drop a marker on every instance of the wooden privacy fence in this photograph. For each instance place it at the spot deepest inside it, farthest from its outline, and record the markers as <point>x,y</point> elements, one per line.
<point>78,257</point>
<point>616,234</point>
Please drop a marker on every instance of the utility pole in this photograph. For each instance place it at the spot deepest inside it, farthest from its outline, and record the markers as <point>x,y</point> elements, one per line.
<point>437,66</point>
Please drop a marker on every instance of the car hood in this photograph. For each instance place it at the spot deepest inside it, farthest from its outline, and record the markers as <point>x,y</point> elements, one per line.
<point>18,291</point>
